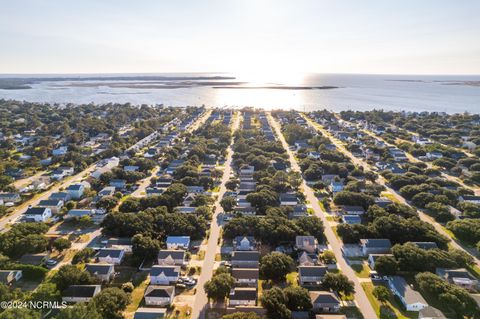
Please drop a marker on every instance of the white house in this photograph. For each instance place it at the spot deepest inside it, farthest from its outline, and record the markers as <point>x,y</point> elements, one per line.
<point>55,205</point>
<point>10,276</point>
<point>306,243</point>
<point>38,214</point>
<point>110,256</point>
<point>76,190</point>
<point>171,257</point>
<point>159,295</point>
<point>311,275</point>
<point>164,275</point>
<point>411,299</point>
<point>324,301</point>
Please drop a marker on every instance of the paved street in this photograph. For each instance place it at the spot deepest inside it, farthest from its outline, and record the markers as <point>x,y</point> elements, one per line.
<point>381,180</point>
<point>201,300</point>
<point>335,244</point>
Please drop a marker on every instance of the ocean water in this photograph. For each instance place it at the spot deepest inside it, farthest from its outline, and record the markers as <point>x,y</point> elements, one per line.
<point>451,94</point>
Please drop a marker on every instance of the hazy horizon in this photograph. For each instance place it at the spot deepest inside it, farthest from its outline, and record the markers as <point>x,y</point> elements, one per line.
<point>270,37</point>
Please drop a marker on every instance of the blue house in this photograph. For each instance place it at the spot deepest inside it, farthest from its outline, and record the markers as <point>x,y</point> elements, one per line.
<point>351,219</point>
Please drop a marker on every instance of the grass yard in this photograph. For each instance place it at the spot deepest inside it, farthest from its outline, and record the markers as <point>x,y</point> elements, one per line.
<point>137,297</point>
<point>391,304</point>
<point>361,270</point>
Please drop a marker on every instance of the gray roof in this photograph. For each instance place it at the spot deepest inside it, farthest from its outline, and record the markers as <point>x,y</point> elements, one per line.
<point>408,294</point>
<point>176,254</point>
<point>169,271</point>
<point>159,291</point>
<point>35,211</point>
<point>99,269</point>
<point>312,271</point>
<point>431,312</point>
<point>245,273</point>
<point>246,255</point>
<point>324,297</point>
<point>376,243</point>
<point>150,313</point>
<point>80,291</point>
<point>425,244</point>
<point>113,253</point>
<point>243,294</point>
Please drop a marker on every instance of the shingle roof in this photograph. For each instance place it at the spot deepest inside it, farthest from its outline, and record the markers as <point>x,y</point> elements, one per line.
<point>100,269</point>
<point>312,271</point>
<point>159,291</point>
<point>246,255</point>
<point>245,273</point>
<point>243,294</point>
<point>169,271</point>
<point>80,290</point>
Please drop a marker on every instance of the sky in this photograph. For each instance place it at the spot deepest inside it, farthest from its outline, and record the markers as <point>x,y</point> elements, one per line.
<point>250,36</point>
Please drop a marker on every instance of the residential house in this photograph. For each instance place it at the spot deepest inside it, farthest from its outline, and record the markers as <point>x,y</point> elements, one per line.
<point>244,243</point>
<point>78,213</point>
<point>119,184</point>
<point>34,259</point>
<point>434,155</point>
<point>62,150</point>
<point>288,199</point>
<point>306,259</point>
<point>382,202</point>
<point>64,196</point>
<point>411,299</point>
<point>55,205</point>
<point>314,155</point>
<point>103,272</point>
<point>178,242</point>
<point>306,243</point>
<point>245,259</point>
<point>311,275</point>
<point>351,219</point>
<point>80,293</point>
<point>298,211</point>
<point>430,313</point>
<point>195,189</point>
<point>335,186</point>
<point>171,257</point>
<point>470,199</point>
<point>164,275</point>
<point>328,178</point>
<point>12,198</point>
<point>246,276</point>
<point>131,168</point>
<point>8,277</point>
<point>353,210</point>
<point>110,255</point>
<point>76,191</point>
<point>459,277</point>
<point>106,191</point>
<point>324,301</point>
<point>185,209</point>
<point>375,246</point>
<point>159,295</point>
<point>124,243</point>
<point>153,191</point>
<point>62,172</point>
<point>241,296</point>
<point>244,211</point>
<point>150,313</point>
<point>38,214</point>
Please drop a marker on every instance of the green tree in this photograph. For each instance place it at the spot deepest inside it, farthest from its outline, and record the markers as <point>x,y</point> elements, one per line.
<point>218,288</point>
<point>61,244</point>
<point>381,293</point>
<point>274,301</point>
<point>110,302</point>
<point>228,203</point>
<point>83,255</point>
<point>297,298</point>
<point>339,283</point>
<point>71,275</point>
<point>275,266</point>
<point>144,247</point>
<point>241,315</point>
<point>386,265</point>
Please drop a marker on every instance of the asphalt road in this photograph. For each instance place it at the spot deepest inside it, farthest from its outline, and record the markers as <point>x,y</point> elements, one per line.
<point>336,246</point>
<point>201,300</point>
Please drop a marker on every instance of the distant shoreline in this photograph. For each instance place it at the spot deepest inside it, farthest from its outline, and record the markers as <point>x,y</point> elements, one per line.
<point>278,87</point>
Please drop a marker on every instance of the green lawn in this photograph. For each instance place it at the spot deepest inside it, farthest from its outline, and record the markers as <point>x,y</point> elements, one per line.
<point>391,304</point>
<point>362,271</point>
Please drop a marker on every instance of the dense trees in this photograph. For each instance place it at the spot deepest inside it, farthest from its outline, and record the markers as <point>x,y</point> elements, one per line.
<point>24,238</point>
<point>61,244</point>
<point>71,275</point>
<point>353,198</point>
<point>275,266</point>
<point>280,303</point>
<point>272,230</point>
<point>386,265</point>
<point>466,229</point>
<point>448,297</point>
<point>241,315</point>
<point>83,255</point>
<point>144,248</point>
